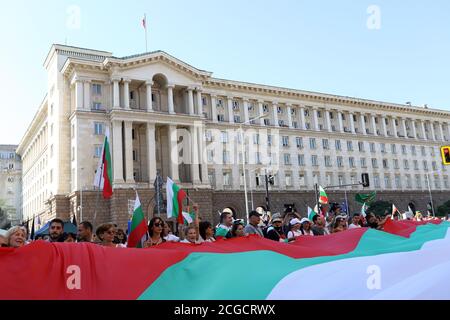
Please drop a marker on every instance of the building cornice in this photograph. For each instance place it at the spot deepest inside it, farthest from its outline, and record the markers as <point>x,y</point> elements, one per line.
<point>292,96</point>
<point>36,123</point>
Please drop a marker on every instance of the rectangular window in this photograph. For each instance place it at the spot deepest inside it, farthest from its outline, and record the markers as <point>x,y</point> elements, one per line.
<point>312,143</point>
<point>425,165</point>
<point>339,162</point>
<point>325,144</point>
<point>285,141</point>
<point>258,157</point>
<point>413,150</point>
<point>307,126</point>
<point>327,161</point>
<point>446,182</point>
<point>302,180</point>
<point>269,140</point>
<point>211,178</point>
<point>279,110</point>
<point>226,179</point>
<point>351,162</point>
<point>422,150</point>
<point>266,122</point>
<point>374,163</point>
<point>287,159</point>
<point>314,161</point>
<point>363,163</point>
<point>99,128</point>
<point>301,160</point>
<point>361,146</point>
<point>434,165</point>
<point>403,149</point>
<point>97,89</point>
<point>418,182</point>
<point>406,164</point>
<point>97,106</point>
<point>396,166</point>
<point>416,165</point>
<point>383,147</point>
<point>387,182</point>
<point>288,181</point>
<point>135,155</point>
<point>98,151</point>
<point>338,145</point>
<point>299,141</point>
<point>237,119</point>
<point>372,147</point>
<point>226,157</point>
<point>385,164</point>
<point>210,156</point>
<point>376,181</point>
<point>224,136</point>
<point>256,138</point>
<point>393,148</point>
<point>221,118</point>
<point>350,145</point>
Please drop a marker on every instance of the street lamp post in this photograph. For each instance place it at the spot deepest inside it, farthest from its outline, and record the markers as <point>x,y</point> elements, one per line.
<point>431,197</point>
<point>243,163</point>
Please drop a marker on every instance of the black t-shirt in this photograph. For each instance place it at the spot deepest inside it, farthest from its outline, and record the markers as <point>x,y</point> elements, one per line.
<point>274,233</point>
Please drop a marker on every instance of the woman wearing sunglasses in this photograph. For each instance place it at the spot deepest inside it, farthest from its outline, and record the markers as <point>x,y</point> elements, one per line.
<point>155,231</point>
<point>106,233</point>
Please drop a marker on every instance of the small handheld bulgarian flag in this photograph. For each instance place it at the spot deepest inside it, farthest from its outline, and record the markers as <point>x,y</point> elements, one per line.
<point>394,209</point>
<point>175,198</point>
<point>323,198</point>
<point>311,214</point>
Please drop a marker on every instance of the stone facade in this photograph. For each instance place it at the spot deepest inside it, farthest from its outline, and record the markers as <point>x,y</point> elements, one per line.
<point>10,184</point>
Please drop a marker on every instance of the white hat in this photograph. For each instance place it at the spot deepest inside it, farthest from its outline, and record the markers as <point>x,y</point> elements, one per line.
<point>305,220</point>
<point>295,221</point>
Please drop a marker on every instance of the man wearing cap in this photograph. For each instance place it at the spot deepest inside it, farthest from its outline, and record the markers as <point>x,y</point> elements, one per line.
<point>253,225</point>
<point>275,230</point>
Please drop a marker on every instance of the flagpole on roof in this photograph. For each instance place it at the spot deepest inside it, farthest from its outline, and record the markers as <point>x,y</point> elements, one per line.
<point>144,22</point>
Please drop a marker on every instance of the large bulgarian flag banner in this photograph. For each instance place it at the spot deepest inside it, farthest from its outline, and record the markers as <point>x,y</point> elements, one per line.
<point>410,260</point>
<point>175,198</point>
<point>103,175</point>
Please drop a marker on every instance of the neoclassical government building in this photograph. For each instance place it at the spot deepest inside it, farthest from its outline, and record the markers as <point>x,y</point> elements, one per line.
<point>212,136</point>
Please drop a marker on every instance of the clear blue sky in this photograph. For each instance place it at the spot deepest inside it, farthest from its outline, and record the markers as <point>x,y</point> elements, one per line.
<point>323,46</point>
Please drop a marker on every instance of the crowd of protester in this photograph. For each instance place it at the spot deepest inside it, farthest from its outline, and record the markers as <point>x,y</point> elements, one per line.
<point>286,227</point>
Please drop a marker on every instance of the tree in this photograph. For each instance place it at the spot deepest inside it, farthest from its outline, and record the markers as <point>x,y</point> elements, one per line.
<point>443,210</point>
<point>379,208</point>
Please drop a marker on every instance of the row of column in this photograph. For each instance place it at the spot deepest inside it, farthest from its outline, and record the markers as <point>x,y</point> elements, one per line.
<point>328,123</point>
<point>198,154</point>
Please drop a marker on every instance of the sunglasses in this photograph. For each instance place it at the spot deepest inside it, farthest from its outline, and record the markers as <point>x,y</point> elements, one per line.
<point>111,232</point>
<point>158,225</point>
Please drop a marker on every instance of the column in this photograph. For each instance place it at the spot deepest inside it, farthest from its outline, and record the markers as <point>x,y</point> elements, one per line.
<point>246,117</point>
<point>424,133</point>
<point>116,94</point>
<point>352,122</point>
<point>315,119</point>
<point>302,118</point>
<point>199,102</point>
<point>230,110</point>
<point>374,124</point>
<point>341,124</point>
<point>128,140</point>
<point>275,114</point>
<point>405,131</point>
<point>126,94</point>
<point>151,149</point>
<point>260,112</point>
<point>203,159</point>
<point>289,116</point>
<point>195,174</point>
<point>448,131</point>
<point>394,127</point>
<point>383,120</point>
<point>149,85</point>
<point>117,151</point>
<point>433,137</point>
<point>363,125</point>
<point>414,132</point>
<point>173,147</point>
<point>214,109</point>
<point>441,131</point>
<point>190,92</point>
<point>79,95</point>
<point>87,95</point>
<point>171,107</point>
<point>328,117</point>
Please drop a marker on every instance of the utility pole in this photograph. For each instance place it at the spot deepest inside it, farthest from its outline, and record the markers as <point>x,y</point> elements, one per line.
<point>267,194</point>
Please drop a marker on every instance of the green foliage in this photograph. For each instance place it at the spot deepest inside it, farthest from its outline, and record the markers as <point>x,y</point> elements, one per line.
<point>443,210</point>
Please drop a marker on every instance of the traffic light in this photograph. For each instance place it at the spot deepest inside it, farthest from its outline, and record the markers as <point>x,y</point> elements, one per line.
<point>445,151</point>
<point>271,180</point>
<point>365,180</point>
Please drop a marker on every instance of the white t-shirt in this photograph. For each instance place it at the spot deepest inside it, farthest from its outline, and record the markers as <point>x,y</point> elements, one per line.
<point>308,233</point>
<point>187,241</point>
<point>354,226</point>
<point>171,238</point>
<point>294,234</point>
